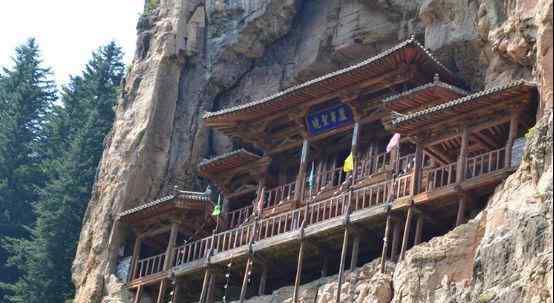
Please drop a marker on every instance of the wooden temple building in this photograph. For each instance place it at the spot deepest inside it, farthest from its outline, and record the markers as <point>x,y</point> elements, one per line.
<point>291,214</point>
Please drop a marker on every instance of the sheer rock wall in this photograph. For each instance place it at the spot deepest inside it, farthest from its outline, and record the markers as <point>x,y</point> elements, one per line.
<point>199,55</point>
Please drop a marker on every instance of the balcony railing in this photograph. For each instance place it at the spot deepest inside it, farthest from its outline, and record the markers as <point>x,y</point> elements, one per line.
<point>239,216</point>
<point>321,211</point>
<point>279,194</point>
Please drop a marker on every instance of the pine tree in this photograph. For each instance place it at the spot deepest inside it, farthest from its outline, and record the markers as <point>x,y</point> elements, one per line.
<point>27,94</point>
<point>76,133</point>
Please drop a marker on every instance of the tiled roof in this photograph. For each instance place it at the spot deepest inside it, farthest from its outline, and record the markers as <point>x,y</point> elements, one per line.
<point>461,101</point>
<point>231,158</point>
<point>298,88</point>
<point>163,200</point>
<point>427,86</point>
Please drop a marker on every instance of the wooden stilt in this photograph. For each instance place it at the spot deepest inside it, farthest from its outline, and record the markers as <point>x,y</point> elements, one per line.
<point>298,271</point>
<point>244,287</point>
<point>385,243</point>
<point>342,261</point>
<point>419,229</point>
<point>205,284</point>
<point>135,257</point>
<point>161,292</point>
<point>177,292</point>
<point>514,120</point>
<point>210,297</point>
<point>355,252</point>
<point>460,217</point>
<point>406,237</point>
<point>138,294</point>
<point>396,240</point>
<point>325,267</point>
<point>263,281</point>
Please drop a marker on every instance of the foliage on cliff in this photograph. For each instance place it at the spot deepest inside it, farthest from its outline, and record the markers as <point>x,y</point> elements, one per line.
<point>72,135</point>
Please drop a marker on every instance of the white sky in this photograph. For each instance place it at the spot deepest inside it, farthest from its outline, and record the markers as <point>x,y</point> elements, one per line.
<point>68,30</point>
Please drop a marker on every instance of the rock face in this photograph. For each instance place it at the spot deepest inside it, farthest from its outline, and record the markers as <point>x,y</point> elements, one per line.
<point>198,55</point>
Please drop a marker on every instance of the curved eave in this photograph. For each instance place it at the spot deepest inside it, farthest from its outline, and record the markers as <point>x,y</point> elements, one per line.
<point>226,162</point>
<point>428,94</point>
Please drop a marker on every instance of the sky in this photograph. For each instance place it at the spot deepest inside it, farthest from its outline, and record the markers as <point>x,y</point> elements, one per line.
<point>68,31</point>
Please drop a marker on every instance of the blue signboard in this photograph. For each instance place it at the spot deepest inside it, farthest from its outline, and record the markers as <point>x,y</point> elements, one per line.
<point>328,118</point>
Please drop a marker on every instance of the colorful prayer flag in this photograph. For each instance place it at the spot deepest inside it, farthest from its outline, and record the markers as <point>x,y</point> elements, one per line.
<point>348,163</point>
<point>217,209</point>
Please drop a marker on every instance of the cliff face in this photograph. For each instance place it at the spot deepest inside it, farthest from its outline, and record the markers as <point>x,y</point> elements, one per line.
<point>199,55</point>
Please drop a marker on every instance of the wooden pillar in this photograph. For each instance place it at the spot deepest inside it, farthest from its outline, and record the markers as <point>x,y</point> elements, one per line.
<point>416,175</point>
<point>135,258</point>
<point>460,217</point>
<point>177,292</point>
<point>385,243</point>
<point>170,251</point>
<point>263,281</point>
<point>514,120</point>
<point>460,171</point>
<point>247,269</point>
<point>298,271</point>
<point>300,179</point>
<point>355,252</point>
<point>406,237</point>
<point>325,266</point>
<point>205,284</point>
<point>354,150</point>
<point>161,292</point>
<point>342,261</point>
<point>396,240</point>
<point>138,294</point>
<point>419,229</point>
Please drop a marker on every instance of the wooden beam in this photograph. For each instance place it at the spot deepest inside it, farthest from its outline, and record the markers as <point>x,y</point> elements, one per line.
<point>385,243</point>
<point>244,287</point>
<point>407,228</point>
<point>342,261</point>
<point>488,140</point>
<point>299,192</point>
<point>355,252</point>
<point>205,284</point>
<point>298,271</point>
<point>210,297</point>
<point>416,178</point>
<point>419,230</point>
<point>135,258</point>
<point>354,148</point>
<point>396,239</point>
<point>161,291</point>
<point>511,137</point>
<point>263,281</point>
<point>170,251</point>
<point>460,171</point>
<point>138,294</point>
<point>460,217</point>
<point>439,156</point>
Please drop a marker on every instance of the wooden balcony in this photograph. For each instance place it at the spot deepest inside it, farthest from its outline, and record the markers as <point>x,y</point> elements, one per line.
<point>317,216</point>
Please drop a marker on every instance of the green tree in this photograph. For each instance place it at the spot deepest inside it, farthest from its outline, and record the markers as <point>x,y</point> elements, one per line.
<point>27,94</point>
<point>76,133</point>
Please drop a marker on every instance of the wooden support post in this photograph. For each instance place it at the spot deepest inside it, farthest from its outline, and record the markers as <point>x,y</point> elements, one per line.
<point>419,229</point>
<point>263,281</point>
<point>245,279</point>
<point>396,240</point>
<point>205,284</point>
<point>355,252</point>
<point>298,271</point>
<point>135,258</point>
<point>514,120</point>
<point>161,292</point>
<point>138,294</point>
<point>325,267</point>
<point>300,179</point>
<point>342,261</point>
<point>354,150</point>
<point>406,237</point>
<point>170,251</point>
<point>460,217</point>
<point>210,296</point>
<point>416,176</point>
<point>385,243</point>
<point>177,292</point>
<point>460,171</point>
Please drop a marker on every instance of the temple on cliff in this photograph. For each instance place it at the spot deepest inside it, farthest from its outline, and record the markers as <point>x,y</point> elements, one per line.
<point>359,164</point>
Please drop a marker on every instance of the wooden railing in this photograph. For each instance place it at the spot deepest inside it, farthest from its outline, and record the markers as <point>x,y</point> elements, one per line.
<point>239,216</point>
<point>404,164</point>
<point>329,179</point>
<point>279,194</point>
<point>149,266</point>
<point>485,163</point>
<point>439,177</point>
<point>374,164</point>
